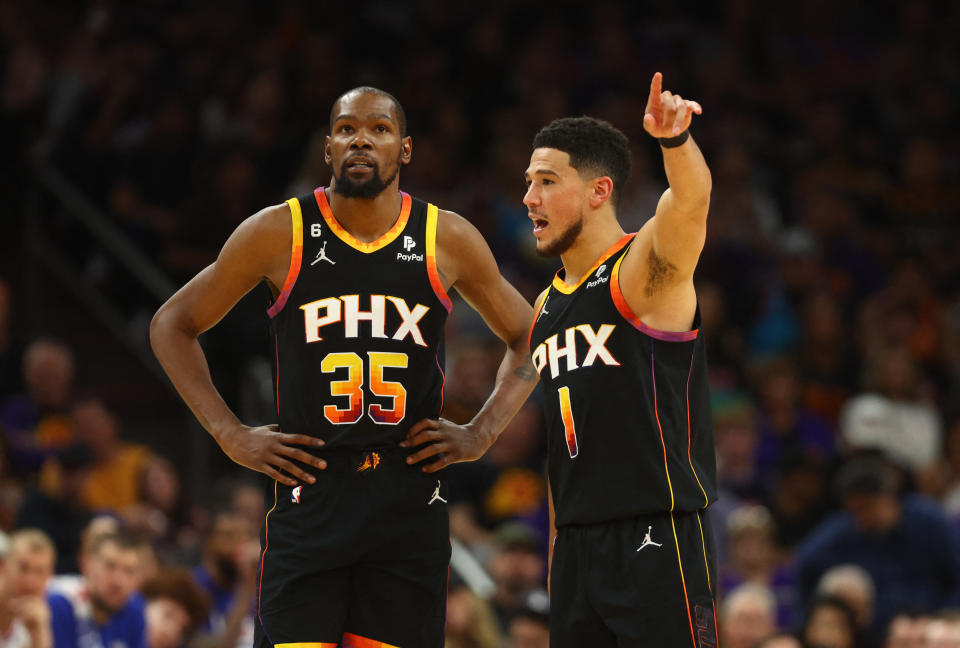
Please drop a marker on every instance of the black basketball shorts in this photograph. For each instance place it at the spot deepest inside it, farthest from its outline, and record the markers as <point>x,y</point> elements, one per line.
<point>646,582</point>
<point>359,559</point>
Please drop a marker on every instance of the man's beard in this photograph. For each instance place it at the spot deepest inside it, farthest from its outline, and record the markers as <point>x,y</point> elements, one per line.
<point>367,189</point>
<point>563,242</point>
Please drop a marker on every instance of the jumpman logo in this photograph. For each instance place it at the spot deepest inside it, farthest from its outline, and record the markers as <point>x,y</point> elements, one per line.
<point>543,309</point>
<point>647,540</point>
<point>322,256</point>
<point>436,495</point>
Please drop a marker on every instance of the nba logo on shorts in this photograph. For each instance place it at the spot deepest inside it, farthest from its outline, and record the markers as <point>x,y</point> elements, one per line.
<point>295,494</point>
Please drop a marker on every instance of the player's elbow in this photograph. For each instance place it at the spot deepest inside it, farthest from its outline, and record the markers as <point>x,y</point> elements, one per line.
<point>164,322</point>
<point>158,325</point>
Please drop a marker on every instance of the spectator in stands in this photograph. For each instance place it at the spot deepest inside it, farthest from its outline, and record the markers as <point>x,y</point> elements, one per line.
<point>55,507</point>
<point>753,558</point>
<point>780,640</point>
<point>530,625</point>
<point>507,483</point>
<point>36,422</point>
<point>831,623</point>
<point>783,423</point>
<point>26,564</point>
<point>471,621</point>
<point>228,575</point>
<point>747,616</point>
<point>951,471</point>
<point>828,363</point>
<point>734,420</point>
<point>892,417</point>
<point>799,499</point>
<point>517,567</point>
<point>161,515</point>
<point>908,547</point>
<point>907,631</point>
<point>106,610</point>
<point>176,607</point>
<point>852,585</point>
<point>115,474</point>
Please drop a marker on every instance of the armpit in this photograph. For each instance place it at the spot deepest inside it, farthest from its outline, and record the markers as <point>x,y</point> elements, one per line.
<point>661,272</point>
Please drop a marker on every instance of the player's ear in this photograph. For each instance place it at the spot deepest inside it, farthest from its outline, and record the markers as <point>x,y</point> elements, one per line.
<point>600,191</point>
<point>327,157</point>
<point>406,150</point>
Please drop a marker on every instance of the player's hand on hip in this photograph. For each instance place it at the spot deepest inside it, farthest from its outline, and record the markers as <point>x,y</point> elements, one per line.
<point>667,114</point>
<point>268,450</point>
<point>446,442</point>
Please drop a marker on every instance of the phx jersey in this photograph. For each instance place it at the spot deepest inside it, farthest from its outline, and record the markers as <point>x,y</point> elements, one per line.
<point>359,328</point>
<point>627,406</point>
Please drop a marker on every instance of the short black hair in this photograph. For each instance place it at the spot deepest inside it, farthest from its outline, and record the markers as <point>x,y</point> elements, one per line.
<point>594,146</point>
<point>401,115</point>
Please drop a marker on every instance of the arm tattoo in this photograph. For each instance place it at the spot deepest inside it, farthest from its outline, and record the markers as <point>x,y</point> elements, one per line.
<point>661,271</point>
<point>525,372</point>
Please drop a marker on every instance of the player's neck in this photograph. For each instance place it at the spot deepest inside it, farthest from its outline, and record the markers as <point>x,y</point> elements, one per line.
<point>367,219</point>
<point>595,239</point>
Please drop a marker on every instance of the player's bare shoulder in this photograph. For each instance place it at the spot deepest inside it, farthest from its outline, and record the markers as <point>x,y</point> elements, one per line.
<point>460,247</point>
<point>263,242</point>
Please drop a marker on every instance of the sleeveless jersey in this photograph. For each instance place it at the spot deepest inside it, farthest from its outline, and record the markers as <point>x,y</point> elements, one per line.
<point>359,328</point>
<point>627,407</point>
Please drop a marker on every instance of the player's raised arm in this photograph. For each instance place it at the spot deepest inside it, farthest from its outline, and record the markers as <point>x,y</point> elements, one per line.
<point>657,273</point>
<point>467,264</point>
<point>258,250</point>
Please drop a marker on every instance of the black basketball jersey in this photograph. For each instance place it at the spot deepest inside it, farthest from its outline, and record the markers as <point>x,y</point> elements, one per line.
<point>359,328</point>
<point>627,406</point>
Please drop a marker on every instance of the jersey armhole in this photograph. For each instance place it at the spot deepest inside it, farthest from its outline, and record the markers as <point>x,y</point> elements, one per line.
<point>432,271</point>
<point>627,313</point>
<point>296,256</point>
<point>541,302</point>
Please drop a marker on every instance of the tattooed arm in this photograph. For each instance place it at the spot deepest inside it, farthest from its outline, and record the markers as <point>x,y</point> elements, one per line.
<point>657,274</point>
<point>467,264</point>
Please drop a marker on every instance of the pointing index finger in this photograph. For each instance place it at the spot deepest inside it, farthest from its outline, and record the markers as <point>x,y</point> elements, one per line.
<point>656,87</point>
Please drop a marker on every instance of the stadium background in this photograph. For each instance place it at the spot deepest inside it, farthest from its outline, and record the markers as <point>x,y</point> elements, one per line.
<point>136,136</point>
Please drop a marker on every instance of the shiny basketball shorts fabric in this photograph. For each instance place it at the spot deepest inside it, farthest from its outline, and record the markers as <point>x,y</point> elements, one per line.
<point>646,582</point>
<point>360,557</point>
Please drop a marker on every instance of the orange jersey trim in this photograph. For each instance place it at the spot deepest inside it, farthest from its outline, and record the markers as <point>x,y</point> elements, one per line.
<point>432,216</point>
<point>683,581</point>
<point>703,544</point>
<point>627,313</point>
<point>706,500</point>
<point>351,640</point>
<point>566,288</point>
<point>296,257</point>
<point>666,469</point>
<point>387,238</point>
<point>266,545</point>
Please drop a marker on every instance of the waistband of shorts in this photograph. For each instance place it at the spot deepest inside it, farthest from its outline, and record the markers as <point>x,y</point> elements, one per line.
<point>362,460</point>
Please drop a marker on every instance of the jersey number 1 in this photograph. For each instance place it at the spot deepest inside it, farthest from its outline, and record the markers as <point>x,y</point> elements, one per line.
<point>352,387</point>
<point>566,413</point>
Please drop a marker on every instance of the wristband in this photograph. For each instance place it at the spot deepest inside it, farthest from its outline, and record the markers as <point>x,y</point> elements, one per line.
<point>674,142</point>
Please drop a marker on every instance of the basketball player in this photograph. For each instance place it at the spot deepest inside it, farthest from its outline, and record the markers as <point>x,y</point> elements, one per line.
<point>615,340</point>
<point>354,553</point>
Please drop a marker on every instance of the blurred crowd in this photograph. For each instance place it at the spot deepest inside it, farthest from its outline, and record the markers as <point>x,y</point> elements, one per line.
<point>829,288</point>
